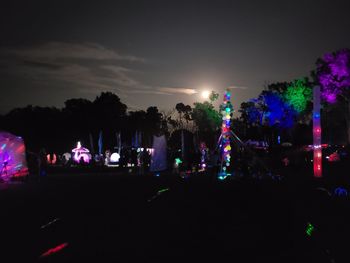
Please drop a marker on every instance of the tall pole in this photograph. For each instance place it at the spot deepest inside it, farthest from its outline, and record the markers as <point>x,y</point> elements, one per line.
<point>316,120</point>
<point>225,142</point>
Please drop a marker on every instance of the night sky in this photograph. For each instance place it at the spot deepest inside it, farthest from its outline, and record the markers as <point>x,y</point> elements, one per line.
<point>160,52</point>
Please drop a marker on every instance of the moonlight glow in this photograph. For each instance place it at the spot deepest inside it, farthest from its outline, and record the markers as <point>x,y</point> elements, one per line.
<point>205,94</point>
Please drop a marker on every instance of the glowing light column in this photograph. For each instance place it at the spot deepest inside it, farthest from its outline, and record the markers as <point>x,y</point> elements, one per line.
<point>227,111</point>
<point>317,133</point>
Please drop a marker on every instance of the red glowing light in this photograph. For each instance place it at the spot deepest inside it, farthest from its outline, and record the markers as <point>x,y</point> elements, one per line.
<point>54,250</point>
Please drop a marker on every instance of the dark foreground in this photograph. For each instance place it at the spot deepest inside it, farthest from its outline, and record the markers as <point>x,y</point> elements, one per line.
<point>120,218</point>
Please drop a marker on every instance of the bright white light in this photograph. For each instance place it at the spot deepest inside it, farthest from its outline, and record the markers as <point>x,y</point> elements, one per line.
<point>205,94</point>
<point>115,157</point>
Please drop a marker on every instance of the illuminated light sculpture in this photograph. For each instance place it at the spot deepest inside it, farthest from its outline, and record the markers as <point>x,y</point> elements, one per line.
<point>225,138</point>
<point>12,157</point>
<point>81,153</point>
<point>115,158</point>
<point>112,160</point>
<point>51,159</point>
<point>340,191</point>
<point>309,229</point>
<point>316,120</point>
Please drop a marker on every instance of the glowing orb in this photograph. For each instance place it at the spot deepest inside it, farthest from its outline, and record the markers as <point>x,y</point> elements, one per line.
<point>115,157</point>
<point>205,94</point>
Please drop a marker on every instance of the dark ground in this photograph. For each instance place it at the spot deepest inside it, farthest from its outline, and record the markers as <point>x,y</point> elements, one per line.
<point>108,218</point>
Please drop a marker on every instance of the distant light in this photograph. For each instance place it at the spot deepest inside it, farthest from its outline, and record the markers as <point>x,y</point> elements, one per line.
<point>205,94</point>
<point>178,161</point>
<point>309,229</point>
<point>115,157</point>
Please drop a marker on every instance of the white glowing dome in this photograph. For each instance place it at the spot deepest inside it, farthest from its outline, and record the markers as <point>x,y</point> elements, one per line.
<point>115,157</point>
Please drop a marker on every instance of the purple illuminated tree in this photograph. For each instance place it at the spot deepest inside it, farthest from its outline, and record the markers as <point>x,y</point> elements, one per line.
<point>333,75</point>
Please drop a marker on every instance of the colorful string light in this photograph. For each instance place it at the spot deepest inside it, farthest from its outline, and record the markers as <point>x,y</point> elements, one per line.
<point>226,110</point>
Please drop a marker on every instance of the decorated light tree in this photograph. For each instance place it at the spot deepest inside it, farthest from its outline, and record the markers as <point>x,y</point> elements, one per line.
<point>226,109</point>
<point>333,75</point>
<point>298,95</point>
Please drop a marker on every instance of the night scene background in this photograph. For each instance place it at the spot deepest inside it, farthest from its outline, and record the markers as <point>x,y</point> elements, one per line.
<point>172,130</point>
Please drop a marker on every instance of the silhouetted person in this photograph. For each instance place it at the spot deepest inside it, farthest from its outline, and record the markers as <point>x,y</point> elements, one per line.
<point>81,161</point>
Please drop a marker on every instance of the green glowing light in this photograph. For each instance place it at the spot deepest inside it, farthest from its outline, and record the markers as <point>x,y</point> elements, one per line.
<point>309,229</point>
<point>178,161</point>
<point>298,94</point>
<point>163,190</point>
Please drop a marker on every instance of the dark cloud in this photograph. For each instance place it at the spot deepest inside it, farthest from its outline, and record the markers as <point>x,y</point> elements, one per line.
<point>62,50</point>
<point>46,65</point>
<point>160,52</point>
<point>85,69</point>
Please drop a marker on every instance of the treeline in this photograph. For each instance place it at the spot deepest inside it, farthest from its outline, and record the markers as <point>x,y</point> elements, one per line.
<point>281,113</point>
<point>59,129</point>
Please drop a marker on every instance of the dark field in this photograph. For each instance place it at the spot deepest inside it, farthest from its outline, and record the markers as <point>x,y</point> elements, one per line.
<point>120,218</point>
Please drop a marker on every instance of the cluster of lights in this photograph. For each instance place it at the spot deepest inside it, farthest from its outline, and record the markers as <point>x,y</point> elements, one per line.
<point>203,150</point>
<point>51,159</point>
<point>298,94</point>
<point>309,229</point>
<point>226,111</point>
<point>12,157</point>
<point>317,146</point>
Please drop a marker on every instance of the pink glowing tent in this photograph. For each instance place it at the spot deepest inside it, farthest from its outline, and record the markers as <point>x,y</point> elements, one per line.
<point>81,153</point>
<point>12,157</point>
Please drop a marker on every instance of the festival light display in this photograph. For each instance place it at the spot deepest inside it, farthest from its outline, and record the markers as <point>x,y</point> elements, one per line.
<point>81,153</point>
<point>226,111</point>
<point>204,155</point>
<point>298,94</point>
<point>309,229</point>
<point>317,160</point>
<point>51,159</point>
<point>115,157</point>
<point>333,72</point>
<point>12,157</point>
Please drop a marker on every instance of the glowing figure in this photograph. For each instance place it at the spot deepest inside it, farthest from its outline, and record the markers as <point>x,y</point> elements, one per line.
<point>81,153</point>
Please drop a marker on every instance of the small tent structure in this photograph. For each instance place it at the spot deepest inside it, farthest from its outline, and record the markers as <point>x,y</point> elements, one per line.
<point>12,157</point>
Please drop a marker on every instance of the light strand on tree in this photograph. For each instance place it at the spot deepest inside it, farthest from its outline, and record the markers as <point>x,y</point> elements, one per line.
<point>226,111</point>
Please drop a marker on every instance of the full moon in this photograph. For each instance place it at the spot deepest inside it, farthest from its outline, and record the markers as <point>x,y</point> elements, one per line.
<point>205,94</point>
